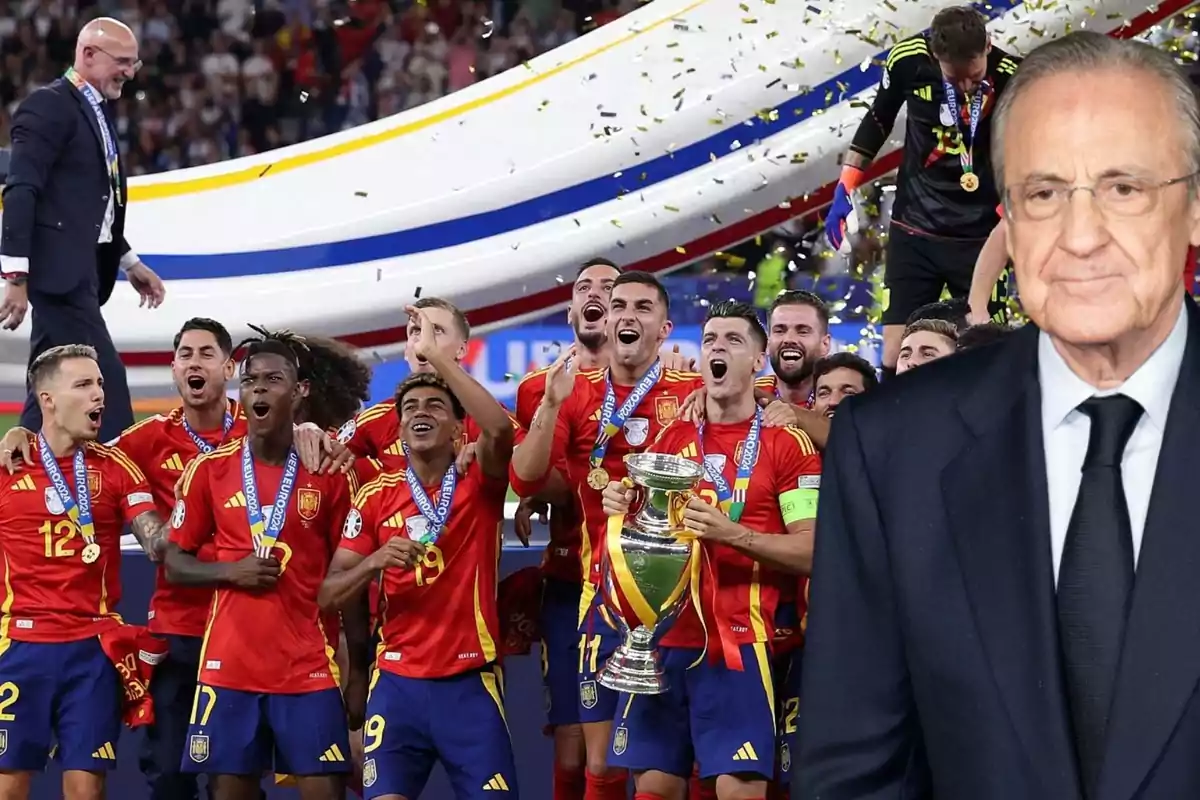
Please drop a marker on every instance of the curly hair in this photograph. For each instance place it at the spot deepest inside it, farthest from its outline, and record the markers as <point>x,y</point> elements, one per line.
<point>339,382</point>
<point>428,380</point>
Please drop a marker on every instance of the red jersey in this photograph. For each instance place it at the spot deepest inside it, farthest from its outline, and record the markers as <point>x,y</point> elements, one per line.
<point>162,449</point>
<point>561,560</point>
<point>264,641</point>
<point>438,619</point>
<point>575,433</point>
<point>737,592</point>
<point>50,595</point>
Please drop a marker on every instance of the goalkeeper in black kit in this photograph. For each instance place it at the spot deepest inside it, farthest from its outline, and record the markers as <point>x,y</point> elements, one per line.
<point>951,76</point>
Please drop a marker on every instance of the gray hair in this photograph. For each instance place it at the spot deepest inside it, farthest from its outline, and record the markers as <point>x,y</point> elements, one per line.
<point>1085,51</point>
<point>46,365</point>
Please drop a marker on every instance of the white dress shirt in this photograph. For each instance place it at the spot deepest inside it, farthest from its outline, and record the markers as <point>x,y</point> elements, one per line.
<point>1065,431</point>
<point>19,265</point>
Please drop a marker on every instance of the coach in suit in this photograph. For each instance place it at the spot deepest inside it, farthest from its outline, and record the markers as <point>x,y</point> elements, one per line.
<point>1005,600</point>
<point>63,238</point>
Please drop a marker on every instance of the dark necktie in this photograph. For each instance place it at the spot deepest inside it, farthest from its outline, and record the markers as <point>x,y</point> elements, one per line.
<point>1095,580</point>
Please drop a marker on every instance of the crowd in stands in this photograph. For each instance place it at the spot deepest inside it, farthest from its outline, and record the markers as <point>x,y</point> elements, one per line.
<point>229,78</point>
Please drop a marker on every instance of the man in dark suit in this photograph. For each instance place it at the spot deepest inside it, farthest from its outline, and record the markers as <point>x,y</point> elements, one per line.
<point>1005,598</point>
<point>63,239</point>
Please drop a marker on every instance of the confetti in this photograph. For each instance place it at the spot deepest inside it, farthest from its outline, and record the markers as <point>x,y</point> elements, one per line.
<point>489,27</point>
<point>360,194</point>
<point>417,294</point>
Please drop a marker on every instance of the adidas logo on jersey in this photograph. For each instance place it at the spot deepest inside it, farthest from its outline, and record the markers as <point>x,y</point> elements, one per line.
<point>173,464</point>
<point>23,485</point>
<point>394,521</point>
<point>237,501</point>
<point>106,752</point>
<point>496,784</point>
<point>689,451</point>
<point>745,753</point>
<point>332,755</point>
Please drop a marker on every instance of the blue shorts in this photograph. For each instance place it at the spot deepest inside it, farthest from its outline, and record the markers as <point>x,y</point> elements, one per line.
<point>560,650</point>
<point>247,733</point>
<point>710,715</point>
<point>597,641</point>
<point>412,723</point>
<point>789,708</point>
<point>67,693</point>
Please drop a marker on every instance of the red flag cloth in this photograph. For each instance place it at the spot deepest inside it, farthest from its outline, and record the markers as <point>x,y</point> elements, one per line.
<point>519,602</point>
<point>134,652</point>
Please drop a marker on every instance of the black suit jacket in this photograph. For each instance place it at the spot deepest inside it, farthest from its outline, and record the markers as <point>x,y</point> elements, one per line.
<point>57,192</point>
<point>931,665</point>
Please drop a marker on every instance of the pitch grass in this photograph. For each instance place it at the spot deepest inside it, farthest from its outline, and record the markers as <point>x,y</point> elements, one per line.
<point>9,420</point>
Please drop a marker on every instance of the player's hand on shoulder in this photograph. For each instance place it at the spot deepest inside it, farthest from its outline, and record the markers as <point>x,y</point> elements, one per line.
<point>253,572</point>
<point>15,447</point>
<point>673,359</point>
<point>780,414</point>
<point>692,409</point>
<point>560,379</point>
<point>617,497</point>
<point>397,552</point>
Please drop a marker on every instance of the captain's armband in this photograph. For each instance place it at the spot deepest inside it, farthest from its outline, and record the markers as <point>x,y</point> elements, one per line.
<point>800,504</point>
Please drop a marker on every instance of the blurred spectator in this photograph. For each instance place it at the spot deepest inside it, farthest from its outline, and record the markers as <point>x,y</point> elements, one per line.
<point>229,78</point>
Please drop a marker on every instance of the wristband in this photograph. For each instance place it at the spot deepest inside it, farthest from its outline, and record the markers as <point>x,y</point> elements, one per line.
<point>852,177</point>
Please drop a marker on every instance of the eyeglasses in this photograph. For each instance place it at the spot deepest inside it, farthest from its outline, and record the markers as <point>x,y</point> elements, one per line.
<point>1115,196</point>
<point>124,62</point>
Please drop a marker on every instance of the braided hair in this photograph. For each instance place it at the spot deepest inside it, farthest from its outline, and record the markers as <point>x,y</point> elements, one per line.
<point>338,382</point>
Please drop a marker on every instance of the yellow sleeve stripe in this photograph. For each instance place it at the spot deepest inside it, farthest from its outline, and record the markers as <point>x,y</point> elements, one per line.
<point>122,459</point>
<point>680,376</point>
<point>385,481</point>
<point>912,47</point>
<point>352,482</point>
<point>143,423</point>
<point>376,411</point>
<point>533,374</point>
<point>806,445</point>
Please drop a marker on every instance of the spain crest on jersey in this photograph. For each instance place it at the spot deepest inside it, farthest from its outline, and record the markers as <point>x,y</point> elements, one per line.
<point>666,409</point>
<point>308,503</point>
<point>587,694</point>
<point>370,774</point>
<point>737,453</point>
<point>620,740</point>
<point>94,483</point>
<point>198,748</point>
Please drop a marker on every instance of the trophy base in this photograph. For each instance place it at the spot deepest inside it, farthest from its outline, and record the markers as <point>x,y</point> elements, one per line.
<point>634,671</point>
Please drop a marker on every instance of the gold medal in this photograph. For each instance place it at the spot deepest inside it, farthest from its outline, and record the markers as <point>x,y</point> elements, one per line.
<point>598,478</point>
<point>91,553</point>
<point>969,181</point>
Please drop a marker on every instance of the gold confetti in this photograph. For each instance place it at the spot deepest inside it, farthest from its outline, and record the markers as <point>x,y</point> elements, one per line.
<point>749,21</point>
<point>671,208</point>
<point>681,250</point>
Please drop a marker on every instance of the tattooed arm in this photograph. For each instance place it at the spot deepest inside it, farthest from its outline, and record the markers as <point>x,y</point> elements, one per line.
<point>151,533</point>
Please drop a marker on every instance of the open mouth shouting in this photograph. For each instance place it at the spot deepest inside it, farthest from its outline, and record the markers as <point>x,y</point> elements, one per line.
<point>196,384</point>
<point>261,409</point>
<point>95,415</point>
<point>421,427</point>
<point>593,312</point>
<point>627,335</point>
<point>719,368</point>
<point>791,356</point>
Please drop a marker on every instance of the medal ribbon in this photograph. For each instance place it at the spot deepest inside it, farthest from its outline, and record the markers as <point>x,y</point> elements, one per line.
<point>264,534</point>
<point>733,501</point>
<point>110,145</point>
<point>968,154</point>
<point>436,515</point>
<point>204,446</point>
<point>611,422</point>
<point>79,511</point>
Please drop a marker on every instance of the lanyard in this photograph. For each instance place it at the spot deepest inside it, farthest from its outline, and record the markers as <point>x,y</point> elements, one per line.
<point>435,515</point>
<point>204,446</point>
<point>976,111</point>
<point>110,145</point>
<point>612,419</point>
<point>79,506</point>
<point>264,534</point>
<point>733,501</point>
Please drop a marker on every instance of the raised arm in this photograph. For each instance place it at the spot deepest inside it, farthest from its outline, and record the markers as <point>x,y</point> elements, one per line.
<point>531,461</point>
<point>494,448</point>
<point>858,739</point>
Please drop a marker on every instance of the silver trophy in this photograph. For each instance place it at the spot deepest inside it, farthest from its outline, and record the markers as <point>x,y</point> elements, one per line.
<point>646,570</point>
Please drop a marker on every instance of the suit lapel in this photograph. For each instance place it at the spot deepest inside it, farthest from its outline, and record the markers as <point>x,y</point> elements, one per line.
<point>90,115</point>
<point>1160,662</point>
<point>1004,553</point>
